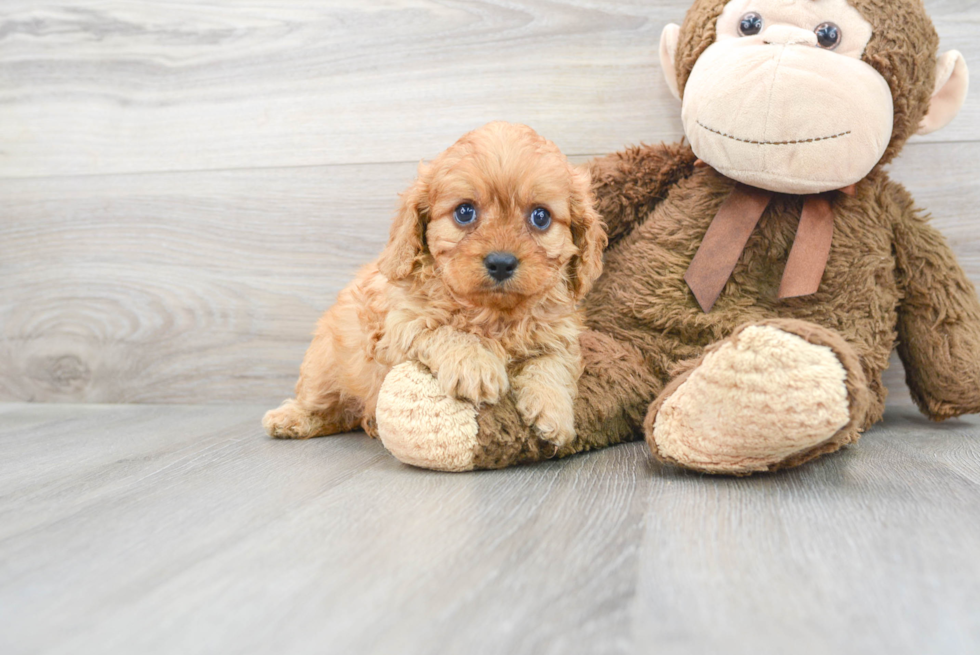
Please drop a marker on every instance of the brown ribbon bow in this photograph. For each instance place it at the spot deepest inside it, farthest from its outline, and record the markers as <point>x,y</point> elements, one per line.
<point>730,230</point>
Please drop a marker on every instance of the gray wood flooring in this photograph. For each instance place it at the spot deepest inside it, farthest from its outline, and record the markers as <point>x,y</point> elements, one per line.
<point>181,529</point>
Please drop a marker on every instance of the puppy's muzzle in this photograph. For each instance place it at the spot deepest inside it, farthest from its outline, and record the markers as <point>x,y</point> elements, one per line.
<point>501,265</point>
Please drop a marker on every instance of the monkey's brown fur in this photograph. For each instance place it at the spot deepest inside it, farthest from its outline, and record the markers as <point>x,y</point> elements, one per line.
<point>890,279</point>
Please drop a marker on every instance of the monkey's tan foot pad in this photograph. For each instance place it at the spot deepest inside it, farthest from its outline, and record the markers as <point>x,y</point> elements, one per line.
<point>423,426</point>
<point>756,401</point>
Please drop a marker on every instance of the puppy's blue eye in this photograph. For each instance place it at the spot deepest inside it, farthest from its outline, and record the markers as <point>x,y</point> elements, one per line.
<point>541,218</point>
<point>465,214</point>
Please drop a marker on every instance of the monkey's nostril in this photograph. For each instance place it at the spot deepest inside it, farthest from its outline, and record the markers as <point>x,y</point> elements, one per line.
<point>500,265</point>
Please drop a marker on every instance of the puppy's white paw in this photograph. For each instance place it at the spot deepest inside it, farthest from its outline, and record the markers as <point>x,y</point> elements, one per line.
<point>549,410</point>
<point>476,375</point>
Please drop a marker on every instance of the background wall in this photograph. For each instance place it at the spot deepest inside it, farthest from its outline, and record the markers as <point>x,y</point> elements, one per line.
<point>185,185</point>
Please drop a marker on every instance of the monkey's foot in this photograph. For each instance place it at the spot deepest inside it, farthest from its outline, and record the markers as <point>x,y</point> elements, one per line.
<point>773,395</point>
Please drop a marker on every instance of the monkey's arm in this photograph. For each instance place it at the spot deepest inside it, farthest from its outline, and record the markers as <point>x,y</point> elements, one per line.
<point>630,183</point>
<point>938,318</point>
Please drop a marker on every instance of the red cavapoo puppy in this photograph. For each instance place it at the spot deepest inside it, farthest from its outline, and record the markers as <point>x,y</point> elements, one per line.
<point>493,245</point>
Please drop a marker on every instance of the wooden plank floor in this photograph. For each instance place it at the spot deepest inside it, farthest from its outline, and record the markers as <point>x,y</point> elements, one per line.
<point>181,529</point>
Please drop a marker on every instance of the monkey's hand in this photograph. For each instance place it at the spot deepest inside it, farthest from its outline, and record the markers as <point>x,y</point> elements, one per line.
<point>938,318</point>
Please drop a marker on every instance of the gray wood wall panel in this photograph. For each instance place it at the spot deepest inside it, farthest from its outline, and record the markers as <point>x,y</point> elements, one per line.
<point>205,286</point>
<point>179,287</point>
<point>118,87</point>
<point>179,185</point>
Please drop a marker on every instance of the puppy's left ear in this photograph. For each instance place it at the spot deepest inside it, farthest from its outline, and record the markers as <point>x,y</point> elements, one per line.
<point>407,238</point>
<point>588,233</point>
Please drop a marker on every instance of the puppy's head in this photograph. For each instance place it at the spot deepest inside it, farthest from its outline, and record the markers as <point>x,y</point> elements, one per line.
<point>500,217</point>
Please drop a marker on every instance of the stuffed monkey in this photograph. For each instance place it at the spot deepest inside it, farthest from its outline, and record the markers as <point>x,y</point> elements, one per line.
<point>757,279</point>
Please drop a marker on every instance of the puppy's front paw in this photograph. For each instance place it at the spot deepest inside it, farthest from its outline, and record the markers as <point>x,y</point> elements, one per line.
<point>549,410</point>
<point>476,375</point>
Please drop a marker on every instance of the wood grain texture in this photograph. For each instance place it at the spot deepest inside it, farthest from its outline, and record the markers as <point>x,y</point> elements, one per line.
<point>166,529</point>
<point>183,287</point>
<point>205,286</point>
<point>119,87</point>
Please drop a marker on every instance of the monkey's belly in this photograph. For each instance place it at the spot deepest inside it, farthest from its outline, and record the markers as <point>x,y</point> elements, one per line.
<point>642,297</point>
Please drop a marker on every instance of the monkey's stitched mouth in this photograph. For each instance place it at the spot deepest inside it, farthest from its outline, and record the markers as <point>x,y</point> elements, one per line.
<point>774,143</point>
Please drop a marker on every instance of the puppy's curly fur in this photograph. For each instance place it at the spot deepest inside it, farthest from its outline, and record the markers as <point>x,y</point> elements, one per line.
<point>430,297</point>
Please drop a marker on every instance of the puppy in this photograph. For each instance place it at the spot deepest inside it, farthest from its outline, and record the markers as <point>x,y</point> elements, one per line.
<point>491,248</point>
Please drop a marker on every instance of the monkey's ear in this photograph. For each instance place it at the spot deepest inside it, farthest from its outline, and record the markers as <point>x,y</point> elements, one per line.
<point>588,233</point>
<point>952,81</point>
<point>668,55</point>
<point>407,237</point>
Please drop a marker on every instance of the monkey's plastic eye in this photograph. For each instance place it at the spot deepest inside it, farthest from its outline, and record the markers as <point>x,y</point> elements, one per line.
<point>541,218</point>
<point>750,25</point>
<point>828,35</point>
<point>465,214</point>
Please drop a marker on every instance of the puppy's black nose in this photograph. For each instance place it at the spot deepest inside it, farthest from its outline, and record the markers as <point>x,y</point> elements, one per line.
<point>500,265</point>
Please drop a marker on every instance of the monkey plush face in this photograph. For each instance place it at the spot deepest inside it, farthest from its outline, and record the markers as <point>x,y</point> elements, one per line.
<point>780,94</point>
<point>772,106</point>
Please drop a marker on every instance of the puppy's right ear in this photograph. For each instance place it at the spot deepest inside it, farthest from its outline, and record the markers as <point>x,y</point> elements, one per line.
<point>407,238</point>
<point>588,233</point>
